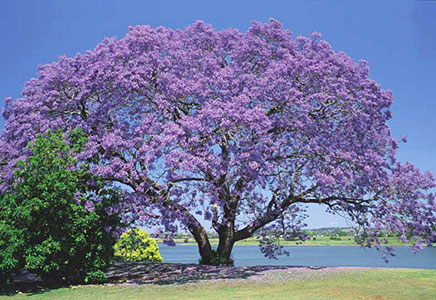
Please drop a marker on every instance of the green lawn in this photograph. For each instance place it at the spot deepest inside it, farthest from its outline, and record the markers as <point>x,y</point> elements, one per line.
<point>320,241</point>
<point>395,284</point>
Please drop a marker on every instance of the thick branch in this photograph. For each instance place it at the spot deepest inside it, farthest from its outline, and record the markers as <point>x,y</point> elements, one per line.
<point>271,215</point>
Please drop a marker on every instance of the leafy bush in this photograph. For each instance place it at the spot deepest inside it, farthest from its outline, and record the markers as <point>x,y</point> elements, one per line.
<point>11,245</point>
<point>136,245</point>
<point>341,233</point>
<point>96,276</point>
<point>53,222</point>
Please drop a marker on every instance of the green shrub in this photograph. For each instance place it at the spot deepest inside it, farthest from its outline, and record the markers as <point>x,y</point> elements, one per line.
<point>11,247</point>
<point>341,233</point>
<point>95,276</point>
<point>53,222</point>
<point>136,245</point>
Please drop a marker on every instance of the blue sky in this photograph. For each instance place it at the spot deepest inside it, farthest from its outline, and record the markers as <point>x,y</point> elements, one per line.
<point>397,38</point>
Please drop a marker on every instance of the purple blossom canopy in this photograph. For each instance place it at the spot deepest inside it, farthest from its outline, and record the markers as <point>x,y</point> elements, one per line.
<point>236,128</point>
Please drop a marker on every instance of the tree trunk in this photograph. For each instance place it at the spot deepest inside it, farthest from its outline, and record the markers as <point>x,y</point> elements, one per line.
<point>204,247</point>
<point>225,245</point>
<point>222,256</point>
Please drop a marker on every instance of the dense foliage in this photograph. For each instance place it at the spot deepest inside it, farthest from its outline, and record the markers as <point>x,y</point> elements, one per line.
<point>240,129</point>
<point>136,245</point>
<point>53,222</point>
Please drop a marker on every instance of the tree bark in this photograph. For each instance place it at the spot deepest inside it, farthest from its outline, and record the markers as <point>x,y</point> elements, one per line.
<point>225,245</point>
<point>204,247</point>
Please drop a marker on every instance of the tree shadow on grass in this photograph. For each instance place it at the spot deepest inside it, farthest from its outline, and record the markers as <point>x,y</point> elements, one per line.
<point>166,273</point>
<point>160,274</point>
<point>29,283</point>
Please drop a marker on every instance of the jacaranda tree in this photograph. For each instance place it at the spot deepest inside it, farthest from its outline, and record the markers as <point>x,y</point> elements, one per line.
<point>237,128</point>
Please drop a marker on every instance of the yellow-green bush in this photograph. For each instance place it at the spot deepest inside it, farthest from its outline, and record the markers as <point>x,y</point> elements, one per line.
<point>136,245</point>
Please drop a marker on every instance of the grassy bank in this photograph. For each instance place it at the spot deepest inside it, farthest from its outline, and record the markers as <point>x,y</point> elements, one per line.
<point>355,284</point>
<point>320,241</point>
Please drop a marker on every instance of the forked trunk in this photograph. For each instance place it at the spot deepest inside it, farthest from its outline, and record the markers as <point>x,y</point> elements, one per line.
<point>220,256</point>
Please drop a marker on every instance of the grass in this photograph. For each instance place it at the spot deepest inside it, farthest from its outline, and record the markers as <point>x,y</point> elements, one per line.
<point>380,284</point>
<point>320,241</point>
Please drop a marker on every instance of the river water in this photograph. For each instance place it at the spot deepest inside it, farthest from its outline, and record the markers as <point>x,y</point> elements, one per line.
<point>328,256</point>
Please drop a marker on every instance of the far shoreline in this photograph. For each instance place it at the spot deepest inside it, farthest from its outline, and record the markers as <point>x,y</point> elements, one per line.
<point>160,243</point>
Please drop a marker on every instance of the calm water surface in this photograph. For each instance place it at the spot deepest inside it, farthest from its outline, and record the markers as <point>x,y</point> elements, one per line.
<point>329,256</point>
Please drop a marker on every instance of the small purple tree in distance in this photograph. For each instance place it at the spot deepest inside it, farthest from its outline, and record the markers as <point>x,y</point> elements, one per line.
<point>240,129</point>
